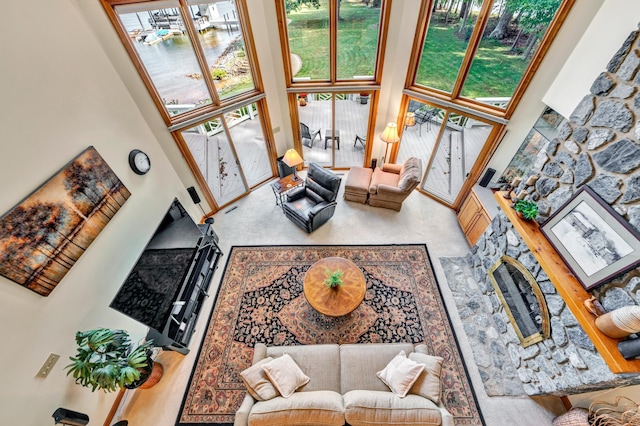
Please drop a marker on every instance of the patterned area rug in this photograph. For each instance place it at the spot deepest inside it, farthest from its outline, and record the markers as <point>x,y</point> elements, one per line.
<point>260,299</point>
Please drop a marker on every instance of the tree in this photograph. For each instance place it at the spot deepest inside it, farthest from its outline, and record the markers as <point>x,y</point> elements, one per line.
<point>500,31</point>
<point>295,5</point>
<point>534,19</point>
<point>464,13</point>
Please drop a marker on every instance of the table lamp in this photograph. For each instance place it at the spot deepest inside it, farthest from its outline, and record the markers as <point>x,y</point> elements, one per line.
<point>389,136</point>
<point>292,159</point>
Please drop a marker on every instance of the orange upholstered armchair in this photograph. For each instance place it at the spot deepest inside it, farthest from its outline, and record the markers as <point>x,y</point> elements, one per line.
<point>392,183</point>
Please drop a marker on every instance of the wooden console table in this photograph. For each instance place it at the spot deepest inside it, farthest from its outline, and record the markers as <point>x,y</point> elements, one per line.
<point>568,287</point>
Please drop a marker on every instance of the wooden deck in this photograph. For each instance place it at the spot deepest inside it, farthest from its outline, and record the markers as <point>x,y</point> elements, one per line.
<point>456,153</point>
<point>351,120</point>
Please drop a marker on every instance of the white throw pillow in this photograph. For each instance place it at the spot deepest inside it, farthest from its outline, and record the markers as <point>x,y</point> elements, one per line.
<point>428,383</point>
<point>400,374</point>
<point>258,384</point>
<point>285,375</point>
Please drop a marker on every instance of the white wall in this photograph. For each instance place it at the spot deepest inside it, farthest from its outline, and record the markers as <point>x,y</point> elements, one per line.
<point>60,94</point>
<point>602,39</point>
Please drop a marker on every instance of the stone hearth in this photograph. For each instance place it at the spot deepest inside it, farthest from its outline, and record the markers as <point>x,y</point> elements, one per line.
<point>565,363</point>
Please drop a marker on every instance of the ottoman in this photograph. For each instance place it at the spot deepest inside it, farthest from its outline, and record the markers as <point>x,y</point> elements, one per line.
<point>357,186</point>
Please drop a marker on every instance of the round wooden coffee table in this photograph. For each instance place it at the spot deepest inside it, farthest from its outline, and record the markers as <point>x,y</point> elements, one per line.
<point>337,301</point>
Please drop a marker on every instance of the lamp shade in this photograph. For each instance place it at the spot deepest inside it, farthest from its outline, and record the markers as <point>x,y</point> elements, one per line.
<point>410,120</point>
<point>390,134</point>
<point>292,158</point>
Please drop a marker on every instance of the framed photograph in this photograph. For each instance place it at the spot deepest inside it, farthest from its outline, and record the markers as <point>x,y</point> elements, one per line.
<point>595,242</point>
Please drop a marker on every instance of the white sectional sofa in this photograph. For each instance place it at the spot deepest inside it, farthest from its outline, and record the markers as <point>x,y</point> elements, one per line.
<point>343,389</point>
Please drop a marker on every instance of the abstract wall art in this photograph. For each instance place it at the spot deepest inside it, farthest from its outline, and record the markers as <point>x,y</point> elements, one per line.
<point>46,233</point>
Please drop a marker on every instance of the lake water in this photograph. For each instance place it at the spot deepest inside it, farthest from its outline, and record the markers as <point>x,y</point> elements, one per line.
<point>170,61</point>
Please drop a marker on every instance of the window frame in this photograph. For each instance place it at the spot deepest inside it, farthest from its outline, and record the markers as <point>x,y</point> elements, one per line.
<point>333,81</point>
<point>172,120</point>
<point>425,14</point>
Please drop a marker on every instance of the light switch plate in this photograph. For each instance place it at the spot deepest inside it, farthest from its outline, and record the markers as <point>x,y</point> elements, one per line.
<point>48,365</point>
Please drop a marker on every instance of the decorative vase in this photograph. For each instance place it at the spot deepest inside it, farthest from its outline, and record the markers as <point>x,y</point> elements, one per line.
<point>620,322</point>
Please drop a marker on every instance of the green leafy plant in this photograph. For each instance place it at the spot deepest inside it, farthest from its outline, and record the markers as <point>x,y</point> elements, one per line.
<point>107,360</point>
<point>528,209</point>
<point>218,73</point>
<point>334,278</point>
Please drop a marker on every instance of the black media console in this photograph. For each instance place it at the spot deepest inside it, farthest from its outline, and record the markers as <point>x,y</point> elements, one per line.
<point>180,325</point>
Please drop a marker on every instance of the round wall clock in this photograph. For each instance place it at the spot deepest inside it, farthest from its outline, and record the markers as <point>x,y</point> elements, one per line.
<point>139,162</point>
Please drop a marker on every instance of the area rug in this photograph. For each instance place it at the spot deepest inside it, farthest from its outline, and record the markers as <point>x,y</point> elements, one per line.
<point>260,299</point>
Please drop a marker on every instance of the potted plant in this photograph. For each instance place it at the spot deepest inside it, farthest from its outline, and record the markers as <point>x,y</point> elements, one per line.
<point>527,209</point>
<point>107,360</point>
<point>334,279</point>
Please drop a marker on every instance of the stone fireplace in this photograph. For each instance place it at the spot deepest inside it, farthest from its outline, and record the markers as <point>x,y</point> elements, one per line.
<point>521,299</point>
<point>598,147</point>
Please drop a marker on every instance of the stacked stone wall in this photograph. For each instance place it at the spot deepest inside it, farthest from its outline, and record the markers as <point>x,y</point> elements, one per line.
<point>598,146</point>
<point>564,363</point>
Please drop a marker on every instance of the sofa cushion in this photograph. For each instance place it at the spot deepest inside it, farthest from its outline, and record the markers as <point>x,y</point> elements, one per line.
<point>400,374</point>
<point>258,384</point>
<point>302,408</point>
<point>410,174</point>
<point>385,408</point>
<point>319,362</point>
<point>381,178</point>
<point>285,375</point>
<point>428,383</point>
<point>359,364</point>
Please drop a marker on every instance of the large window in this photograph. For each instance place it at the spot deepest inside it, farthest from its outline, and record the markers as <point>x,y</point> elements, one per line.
<point>481,51</point>
<point>196,58</point>
<point>331,40</point>
<point>333,128</point>
<point>332,56</point>
<point>193,55</point>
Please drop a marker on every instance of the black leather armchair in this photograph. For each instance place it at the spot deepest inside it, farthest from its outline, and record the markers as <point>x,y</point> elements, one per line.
<point>313,204</point>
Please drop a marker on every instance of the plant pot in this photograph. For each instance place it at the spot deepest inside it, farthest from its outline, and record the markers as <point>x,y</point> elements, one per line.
<point>148,377</point>
<point>521,216</point>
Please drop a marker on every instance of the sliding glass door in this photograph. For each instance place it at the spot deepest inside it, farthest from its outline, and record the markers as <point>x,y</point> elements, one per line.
<point>333,128</point>
<point>230,153</point>
<point>448,142</point>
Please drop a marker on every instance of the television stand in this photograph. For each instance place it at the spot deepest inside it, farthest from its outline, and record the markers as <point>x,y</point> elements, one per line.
<point>180,325</point>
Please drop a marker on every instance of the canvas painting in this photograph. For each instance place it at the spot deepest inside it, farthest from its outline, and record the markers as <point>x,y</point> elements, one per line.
<point>42,237</point>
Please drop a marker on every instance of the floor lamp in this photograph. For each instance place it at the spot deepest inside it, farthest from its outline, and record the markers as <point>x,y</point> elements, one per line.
<point>389,136</point>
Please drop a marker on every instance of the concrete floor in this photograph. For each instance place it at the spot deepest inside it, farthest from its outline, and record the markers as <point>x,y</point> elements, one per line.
<point>256,220</point>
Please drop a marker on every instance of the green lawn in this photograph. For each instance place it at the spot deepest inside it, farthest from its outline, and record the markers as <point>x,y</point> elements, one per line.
<point>357,39</point>
<point>494,72</point>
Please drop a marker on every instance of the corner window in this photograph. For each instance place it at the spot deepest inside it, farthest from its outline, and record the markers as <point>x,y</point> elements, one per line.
<point>193,55</point>
<point>483,51</point>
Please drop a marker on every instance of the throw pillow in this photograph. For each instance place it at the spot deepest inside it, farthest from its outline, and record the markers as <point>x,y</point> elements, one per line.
<point>285,375</point>
<point>257,382</point>
<point>428,383</point>
<point>400,374</point>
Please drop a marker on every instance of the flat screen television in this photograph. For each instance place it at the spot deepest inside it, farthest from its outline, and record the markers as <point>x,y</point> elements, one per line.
<point>153,284</point>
